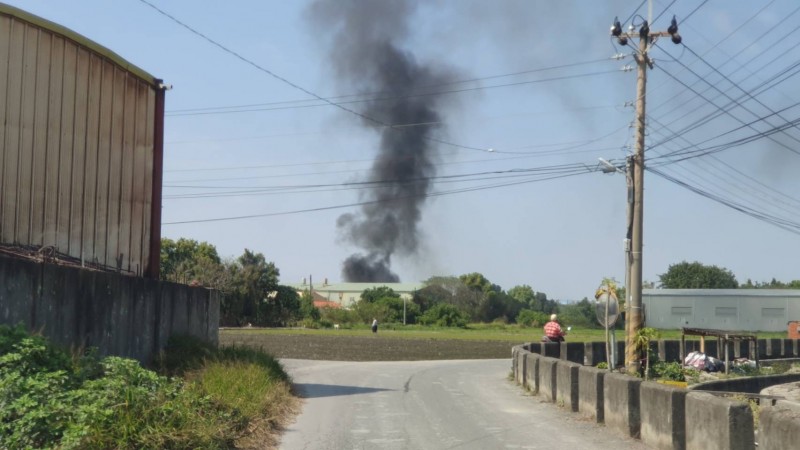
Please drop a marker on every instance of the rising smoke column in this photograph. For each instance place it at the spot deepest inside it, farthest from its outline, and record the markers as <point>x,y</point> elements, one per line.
<point>366,56</point>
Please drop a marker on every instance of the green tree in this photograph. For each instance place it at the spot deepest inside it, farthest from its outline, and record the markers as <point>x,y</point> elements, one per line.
<point>307,308</point>
<point>524,294</point>
<point>187,260</point>
<point>694,275</point>
<point>452,291</point>
<point>531,318</point>
<point>253,282</point>
<point>579,314</point>
<point>372,295</point>
<point>444,315</point>
<point>772,284</point>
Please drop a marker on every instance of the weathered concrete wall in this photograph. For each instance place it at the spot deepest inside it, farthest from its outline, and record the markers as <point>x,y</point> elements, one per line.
<point>590,392</point>
<point>594,353</point>
<point>519,366</point>
<point>547,378</point>
<point>572,351</point>
<point>621,403</point>
<point>717,423</point>
<point>118,314</point>
<point>532,376</point>
<point>779,426</point>
<point>663,416</point>
<point>551,349</point>
<point>567,385</point>
<point>752,385</point>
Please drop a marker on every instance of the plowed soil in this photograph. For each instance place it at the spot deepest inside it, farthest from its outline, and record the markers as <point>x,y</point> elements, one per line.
<point>368,347</point>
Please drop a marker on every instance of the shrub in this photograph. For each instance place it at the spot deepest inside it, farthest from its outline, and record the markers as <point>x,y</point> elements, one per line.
<point>531,318</point>
<point>669,371</point>
<point>444,315</point>
<point>51,400</point>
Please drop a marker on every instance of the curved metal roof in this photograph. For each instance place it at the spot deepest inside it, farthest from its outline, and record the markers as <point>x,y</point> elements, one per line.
<point>83,41</point>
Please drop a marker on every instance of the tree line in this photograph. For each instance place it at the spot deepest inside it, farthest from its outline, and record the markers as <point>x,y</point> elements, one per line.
<point>252,294</point>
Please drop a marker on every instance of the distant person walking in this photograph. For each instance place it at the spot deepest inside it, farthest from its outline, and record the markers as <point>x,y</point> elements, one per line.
<point>375,325</point>
<point>553,330</point>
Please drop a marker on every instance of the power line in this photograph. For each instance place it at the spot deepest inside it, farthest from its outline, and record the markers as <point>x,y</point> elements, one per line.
<point>379,95</point>
<point>785,224</point>
<point>294,85</point>
<point>372,202</point>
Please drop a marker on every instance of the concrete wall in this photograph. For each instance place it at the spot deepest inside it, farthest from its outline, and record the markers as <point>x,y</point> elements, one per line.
<point>118,314</point>
<point>567,385</point>
<point>532,375</point>
<point>663,418</point>
<point>590,392</point>
<point>621,403</point>
<point>548,377</point>
<point>752,385</point>
<point>717,423</point>
<point>779,426</point>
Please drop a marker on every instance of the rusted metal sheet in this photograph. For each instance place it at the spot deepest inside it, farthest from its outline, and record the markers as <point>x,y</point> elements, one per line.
<point>78,137</point>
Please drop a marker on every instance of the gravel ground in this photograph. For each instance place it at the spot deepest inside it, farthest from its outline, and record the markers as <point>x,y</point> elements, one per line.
<point>368,347</point>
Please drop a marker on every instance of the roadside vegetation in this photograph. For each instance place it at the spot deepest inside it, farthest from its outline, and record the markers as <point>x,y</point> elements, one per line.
<point>197,397</point>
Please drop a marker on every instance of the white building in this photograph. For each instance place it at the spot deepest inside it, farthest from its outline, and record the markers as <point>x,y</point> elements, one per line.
<point>348,294</point>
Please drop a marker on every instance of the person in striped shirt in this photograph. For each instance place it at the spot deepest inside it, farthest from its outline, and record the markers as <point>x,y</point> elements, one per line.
<point>553,330</point>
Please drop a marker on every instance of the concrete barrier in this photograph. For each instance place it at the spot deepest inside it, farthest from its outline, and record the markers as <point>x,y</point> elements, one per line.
<point>572,351</point>
<point>774,348</point>
<point>548,378</point>
<point>551,349</point>
<point>567,385</point>
<point>752,385</point>
<point>621,404</point>
<point>663,416</point>
<point>779,426</point>
<point>761,348</point>
<point>594,353</point>
<point>669,351</point>
<point>718,423</point>
<point>532,376</point>
<point>790,348</point>
<point>590,392</point>
<point>516,355</point>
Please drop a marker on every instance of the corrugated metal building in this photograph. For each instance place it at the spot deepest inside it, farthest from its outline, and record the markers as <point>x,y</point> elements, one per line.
<point>81,144</point>
<point>723,309</point>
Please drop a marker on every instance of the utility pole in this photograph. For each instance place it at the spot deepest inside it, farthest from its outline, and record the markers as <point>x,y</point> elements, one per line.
<point>633,303</point>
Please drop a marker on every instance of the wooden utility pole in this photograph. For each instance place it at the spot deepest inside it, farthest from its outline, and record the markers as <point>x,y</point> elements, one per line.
<point>633,304</point>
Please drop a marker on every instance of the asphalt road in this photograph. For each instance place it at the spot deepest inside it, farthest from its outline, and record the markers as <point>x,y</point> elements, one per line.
<point>436,405</point>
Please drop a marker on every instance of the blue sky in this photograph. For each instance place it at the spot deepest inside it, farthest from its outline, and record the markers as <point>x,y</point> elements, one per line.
<point>527,91</point>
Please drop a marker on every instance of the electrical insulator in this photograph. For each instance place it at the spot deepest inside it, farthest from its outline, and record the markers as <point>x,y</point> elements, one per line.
<point>673,31</point>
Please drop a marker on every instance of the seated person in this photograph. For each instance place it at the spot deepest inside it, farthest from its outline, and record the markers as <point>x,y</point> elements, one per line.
<point>553,330</point>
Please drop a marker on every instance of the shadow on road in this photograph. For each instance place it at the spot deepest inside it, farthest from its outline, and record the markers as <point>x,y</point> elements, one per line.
<point>313,390</point>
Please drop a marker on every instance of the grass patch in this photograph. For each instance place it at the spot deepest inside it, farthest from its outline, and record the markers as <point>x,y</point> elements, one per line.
<point>477,332</point>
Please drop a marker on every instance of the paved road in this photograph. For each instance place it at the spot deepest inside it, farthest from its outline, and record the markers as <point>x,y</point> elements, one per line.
<point>436,405</point>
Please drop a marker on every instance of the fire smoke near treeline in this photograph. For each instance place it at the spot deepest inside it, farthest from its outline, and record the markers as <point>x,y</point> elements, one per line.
<point>366,56</point>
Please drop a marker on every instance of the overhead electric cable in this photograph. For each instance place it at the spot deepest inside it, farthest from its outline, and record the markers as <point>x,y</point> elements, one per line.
<point>294,85</point>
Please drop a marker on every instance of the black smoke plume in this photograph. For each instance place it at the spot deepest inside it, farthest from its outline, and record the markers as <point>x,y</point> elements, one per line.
<point>367,56</point>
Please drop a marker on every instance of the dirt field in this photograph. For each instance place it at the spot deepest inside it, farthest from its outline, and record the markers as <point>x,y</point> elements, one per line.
<point>368,347</point>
